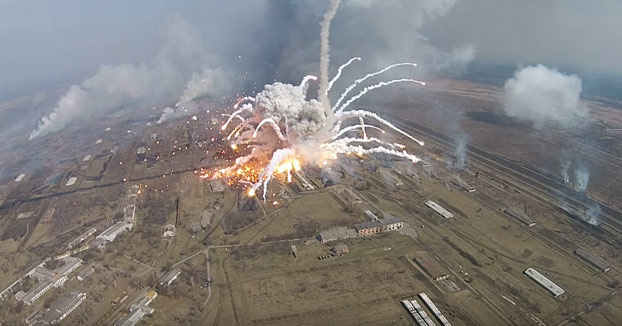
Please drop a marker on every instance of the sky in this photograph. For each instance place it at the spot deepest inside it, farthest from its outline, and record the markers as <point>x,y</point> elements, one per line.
<point>49,40</point>
<point>148,52</point>
<point>576,33</point>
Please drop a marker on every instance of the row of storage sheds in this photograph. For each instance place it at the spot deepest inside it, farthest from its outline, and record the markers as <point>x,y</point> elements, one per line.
<point>439,315</point>
<point>417,313</point>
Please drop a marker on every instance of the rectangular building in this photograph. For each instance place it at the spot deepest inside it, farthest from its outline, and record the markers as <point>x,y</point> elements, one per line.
<point>432,267</point>
<point>79,239</point>
<point>112,232</point>
<point>169,277</point>
<point>520,217</point>
<point>439,209</point>
<point>553,288</point>
<point>336,234</point>
<point>62,307</point>
<point>35,293</point>
<point>593,259</point>
<point>391,224</point>
<point>368,228</point>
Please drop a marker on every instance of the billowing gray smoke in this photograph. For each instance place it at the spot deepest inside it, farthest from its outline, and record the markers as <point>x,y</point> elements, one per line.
<point>540,94</point>
<point>280,100</point>
<point>261,41</point>
<point>151,82</point>
<point>208,81</point>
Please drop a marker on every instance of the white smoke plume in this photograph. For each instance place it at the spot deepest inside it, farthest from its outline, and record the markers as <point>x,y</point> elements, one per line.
<point>592,215</point>
<point>581,178</point>
<point>460,153</point>
<point>565,167</point>
<point>541,95</point>
<point>209,81</point>
<point>113,86</point>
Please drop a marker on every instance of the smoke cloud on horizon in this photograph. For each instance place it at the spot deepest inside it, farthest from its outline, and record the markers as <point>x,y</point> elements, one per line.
<point>275,41</point>
<point>543,95</point>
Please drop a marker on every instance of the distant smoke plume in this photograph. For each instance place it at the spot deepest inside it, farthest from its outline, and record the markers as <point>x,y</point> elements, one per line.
<point>113,86</point>
<point>593,215</point>
<point>209,81</point>
<point>460,154</point>
<point>565,166</point>
<point>581,178</point>
<point>540,94</point>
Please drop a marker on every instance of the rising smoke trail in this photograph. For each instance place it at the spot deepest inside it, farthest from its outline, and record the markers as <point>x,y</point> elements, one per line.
<point>325,52</point>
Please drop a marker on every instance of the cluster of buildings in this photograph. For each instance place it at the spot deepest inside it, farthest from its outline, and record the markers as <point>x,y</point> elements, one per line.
<point>378,226</point>
<point>47,279</point>
<point>417,312</point>
<point>375,225</point>
<point>129,214</point>
<point>138,310</point>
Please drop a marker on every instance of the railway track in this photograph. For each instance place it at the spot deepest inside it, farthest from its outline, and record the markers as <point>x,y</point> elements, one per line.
<point>611,218</point>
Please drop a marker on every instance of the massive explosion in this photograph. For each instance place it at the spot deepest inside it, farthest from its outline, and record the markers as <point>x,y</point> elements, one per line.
<point>280,127</point>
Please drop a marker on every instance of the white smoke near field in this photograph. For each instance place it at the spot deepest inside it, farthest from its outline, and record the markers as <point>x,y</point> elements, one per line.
<point>565,167</point>
<point>460,153</point>
<point>592,215</point>
<point>209,81</point>
<point>581,178</point>
<point>541,95</point>
<point>113,86</point>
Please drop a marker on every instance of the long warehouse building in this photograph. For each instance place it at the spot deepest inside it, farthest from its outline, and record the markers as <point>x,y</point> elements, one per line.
<point>593,259</point>
<point>553,288</point>
<point>439,209</point>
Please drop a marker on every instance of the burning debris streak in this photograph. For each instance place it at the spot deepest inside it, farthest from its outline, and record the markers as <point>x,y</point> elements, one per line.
<point>339,71</point>
<point>379,85</point>
<point>366,77</point>
<point>305,131</point>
